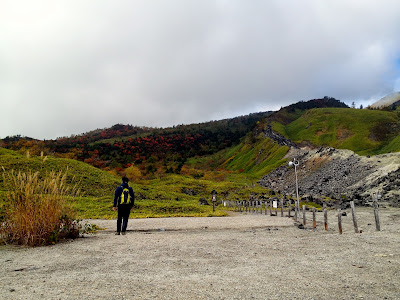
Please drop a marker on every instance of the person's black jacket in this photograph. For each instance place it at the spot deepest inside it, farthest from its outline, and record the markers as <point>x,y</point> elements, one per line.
<point>118,192</point>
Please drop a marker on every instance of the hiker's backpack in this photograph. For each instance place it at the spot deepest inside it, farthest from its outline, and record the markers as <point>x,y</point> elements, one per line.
<point>125,196</point>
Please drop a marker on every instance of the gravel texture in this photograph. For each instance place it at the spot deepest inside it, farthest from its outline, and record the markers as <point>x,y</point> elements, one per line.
<point>237,257</point>
<point>335,172</point>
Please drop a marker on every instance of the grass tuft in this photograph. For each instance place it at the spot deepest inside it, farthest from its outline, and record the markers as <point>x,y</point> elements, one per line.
<point>36,212</point>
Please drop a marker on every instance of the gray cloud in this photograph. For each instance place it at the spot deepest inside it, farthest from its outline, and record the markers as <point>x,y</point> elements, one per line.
<point>67,67</point>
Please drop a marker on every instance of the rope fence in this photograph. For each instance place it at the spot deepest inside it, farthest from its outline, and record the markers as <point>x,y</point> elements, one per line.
<point>284,208</point>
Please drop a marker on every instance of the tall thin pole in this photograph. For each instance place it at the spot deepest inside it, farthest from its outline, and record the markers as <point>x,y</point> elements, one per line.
<point>297,203</point>
<point>296,163</point>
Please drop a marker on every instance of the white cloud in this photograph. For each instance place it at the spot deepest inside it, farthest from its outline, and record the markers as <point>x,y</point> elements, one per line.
<point>67,67</point>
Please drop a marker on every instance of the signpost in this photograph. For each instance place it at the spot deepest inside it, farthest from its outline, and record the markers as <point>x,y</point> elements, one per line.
<point>214,199</point>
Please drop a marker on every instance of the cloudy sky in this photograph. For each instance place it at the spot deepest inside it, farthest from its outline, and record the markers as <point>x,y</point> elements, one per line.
<point>71,66</point>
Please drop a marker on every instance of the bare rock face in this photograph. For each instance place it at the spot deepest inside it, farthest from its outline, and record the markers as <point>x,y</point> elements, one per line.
<point>280,139</point>
<point>339,175</point>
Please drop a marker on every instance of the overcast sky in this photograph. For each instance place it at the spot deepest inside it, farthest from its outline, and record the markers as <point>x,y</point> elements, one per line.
<point>68,67</point>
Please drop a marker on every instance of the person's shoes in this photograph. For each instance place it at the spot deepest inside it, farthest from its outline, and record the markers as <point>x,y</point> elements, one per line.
<point>123,232</point>
<point>117,233</point>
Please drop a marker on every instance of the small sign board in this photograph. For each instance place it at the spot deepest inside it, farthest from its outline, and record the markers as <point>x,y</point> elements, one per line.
<point>275,204</point>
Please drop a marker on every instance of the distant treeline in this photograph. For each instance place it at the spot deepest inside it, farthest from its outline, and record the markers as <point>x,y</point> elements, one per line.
<point>149,149</point>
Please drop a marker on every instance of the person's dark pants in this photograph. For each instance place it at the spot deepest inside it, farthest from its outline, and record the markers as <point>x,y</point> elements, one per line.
<point>123,217</point>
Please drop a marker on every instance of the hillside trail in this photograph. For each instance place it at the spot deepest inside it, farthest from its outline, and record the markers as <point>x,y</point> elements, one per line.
<point>245,256</point>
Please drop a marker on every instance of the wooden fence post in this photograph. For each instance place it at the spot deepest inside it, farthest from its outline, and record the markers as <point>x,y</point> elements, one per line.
<point>353,213</point>
<point>340,221</point>
<point>281,203</point>
<point>326,218</point>
<point>304,215</point>
<point>314,217</point>
<point>289,207</point>
<point>270,207</point>
<point>376,213</point>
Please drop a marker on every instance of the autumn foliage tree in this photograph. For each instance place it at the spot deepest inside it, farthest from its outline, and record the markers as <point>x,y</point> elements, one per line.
<point>133,173</point>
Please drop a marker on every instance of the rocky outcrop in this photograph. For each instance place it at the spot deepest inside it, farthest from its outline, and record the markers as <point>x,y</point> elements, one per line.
<point>280,139</point>
<point>203,201</point>
<point>339,175</point>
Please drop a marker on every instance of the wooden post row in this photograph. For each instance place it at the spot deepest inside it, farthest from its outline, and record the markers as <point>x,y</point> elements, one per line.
<point>376,213</point>
<point>314,217</point>
<point>353,213</point>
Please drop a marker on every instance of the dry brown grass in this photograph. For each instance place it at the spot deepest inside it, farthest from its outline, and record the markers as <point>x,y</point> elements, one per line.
<point>36,212</point>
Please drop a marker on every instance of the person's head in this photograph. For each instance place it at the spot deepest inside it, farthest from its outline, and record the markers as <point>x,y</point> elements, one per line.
<point>125,179</point>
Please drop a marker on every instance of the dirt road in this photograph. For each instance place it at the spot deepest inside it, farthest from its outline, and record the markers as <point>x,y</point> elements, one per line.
<point>240,257</point>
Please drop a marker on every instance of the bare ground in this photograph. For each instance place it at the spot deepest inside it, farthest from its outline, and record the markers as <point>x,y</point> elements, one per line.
<point>236,257</point>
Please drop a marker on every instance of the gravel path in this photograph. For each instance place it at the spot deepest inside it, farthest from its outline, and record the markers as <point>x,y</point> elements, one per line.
<point>238,257</point>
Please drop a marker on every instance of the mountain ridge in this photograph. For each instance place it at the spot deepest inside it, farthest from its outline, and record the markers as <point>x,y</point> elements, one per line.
<point>256,146</point>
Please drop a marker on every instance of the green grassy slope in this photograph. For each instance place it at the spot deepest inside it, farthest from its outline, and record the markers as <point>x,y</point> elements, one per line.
<point>171,195</point>
<point>255,159</point>
<point>366,132</point>
<point>90,180</point>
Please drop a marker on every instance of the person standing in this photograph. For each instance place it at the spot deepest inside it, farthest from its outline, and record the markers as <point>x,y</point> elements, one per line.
<point>124,200</point>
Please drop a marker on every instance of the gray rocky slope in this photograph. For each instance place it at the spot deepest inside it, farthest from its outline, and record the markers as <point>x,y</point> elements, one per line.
<point>340,175</point>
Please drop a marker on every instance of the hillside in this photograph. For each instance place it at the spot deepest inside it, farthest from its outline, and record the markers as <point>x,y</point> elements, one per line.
<point>152,151</point>
<point>336,176</point>
<point>366,132</point>
<point>389,100</point>
<point>90,180</point>
<point>314,135</point>
<point>265,146</point>
<point>166,196</point>
<point>368,163</point>
<point>173,168</point>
